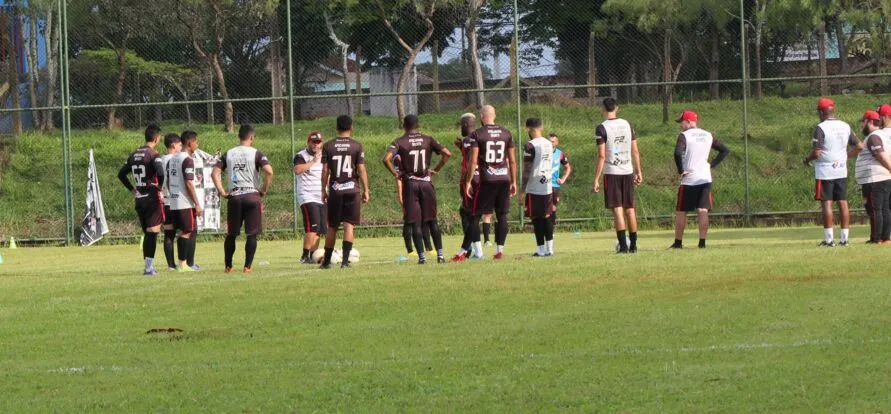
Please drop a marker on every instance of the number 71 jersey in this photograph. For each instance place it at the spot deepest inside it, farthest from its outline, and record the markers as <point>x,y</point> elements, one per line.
<point>414,152</point>
<point>493,142</point>
<point>341,156</point>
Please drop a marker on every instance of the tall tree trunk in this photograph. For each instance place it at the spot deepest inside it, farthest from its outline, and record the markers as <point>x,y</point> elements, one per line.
<point>210,115</point>
<point>842,45</point>
<point>473,40</point>
<point>51,33</point>
<point>514,72</point>
<point>592,69</point>
<point>119,88</point>
<point>224,92</point>
<point>437,104</point>
<point>666,75</point>
<point>276,70</point>
<point>13,77</point>
<point>344,61</point>
<point>759,34</point>
<point>33,70</point>
<point>821,49</point>
<point>714,68</point>
<point>359,89</point>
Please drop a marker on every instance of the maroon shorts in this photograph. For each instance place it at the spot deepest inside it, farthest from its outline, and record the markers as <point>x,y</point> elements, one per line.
<point>245,209</point>
<point>492,197</point>
<point>418,201</point>
<point>467,202</point>
<point>538,206</point>
<point>314,218</point>
<point>694,197</point>
<point>344,208</point>
<point>832,190</point>
<point>555,195</point>
<point>150,211</point>
<point>618,191</point>
<point>184,220</point>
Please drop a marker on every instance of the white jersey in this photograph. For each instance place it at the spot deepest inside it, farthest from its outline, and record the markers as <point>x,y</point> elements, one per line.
<point>180,169</point>
<point>243,164</point>
<point>617,135</point>
<point>165,190</point>
<point>833,137</point>
<point>698,144</point>
<point>537,156</point>
<point>309,184</point>
<point>868,169</point>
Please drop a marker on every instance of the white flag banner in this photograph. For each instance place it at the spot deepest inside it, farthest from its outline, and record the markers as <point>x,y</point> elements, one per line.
<point>94,225</point>
<point>205,190</point>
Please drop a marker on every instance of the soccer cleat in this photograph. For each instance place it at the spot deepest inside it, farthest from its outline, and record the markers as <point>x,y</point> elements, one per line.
<point>422,260</point>
<point>228,269</point>
<point>475,257</point>
<point>623,251</point>
<point>325,266</point>
<point>195,267</point>
<point>345,265</point>
<point>431,253</point>
<point>185,269</point>
<point>248,270</point>
<point>171,269</point>
<point>676,246</point>
<point>632,249</point>
<point>549,254</point>
<point>412,254</point>
<point>498,256</point>
<point>826,244</point>
<point>306,260</point>
<point>843,243</point>
<point>536,254</point>
<point>151,272</point>
<point>885,242</point>
<point>873,242</point>
<point>440,259</point>
<point>458,258</point>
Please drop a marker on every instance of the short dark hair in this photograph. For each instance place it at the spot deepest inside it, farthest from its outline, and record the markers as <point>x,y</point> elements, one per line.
<point>170,140</point>
<point>533,123</point>
<point>344,123</point>
<point>553,135</point>
<point>151,132</point>
<point>877,122</point>
<point>610,104</point>
<point>187,137</point>
<point>245,131</point>
<point>410,122</point>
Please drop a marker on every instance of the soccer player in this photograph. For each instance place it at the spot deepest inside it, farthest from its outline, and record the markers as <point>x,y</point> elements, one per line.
<point>873,173</point>
<point>691,158</point>
<point>343,157</point>
<point>537,176</point>
<point>173,144</point>
<point>407,231</point>
<point>244,194</point>
<point>418,194</point>
<point>144,164</point>
<point>184,202</point>
<point>561,162</point>
<point>308,168</point>
<point>493,148</point>
<point>833,143</point>
<point>470,245</point>
<point>616,139</point>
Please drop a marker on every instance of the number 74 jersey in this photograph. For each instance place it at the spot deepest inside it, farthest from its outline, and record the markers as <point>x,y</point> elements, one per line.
<point>341,156</point>
<point>493,142</point>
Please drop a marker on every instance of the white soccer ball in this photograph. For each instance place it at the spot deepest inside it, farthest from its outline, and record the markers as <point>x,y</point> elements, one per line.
<point>336,256</point>
<point>627,242</point>
<point>354,256</point>
<point>318,255</point>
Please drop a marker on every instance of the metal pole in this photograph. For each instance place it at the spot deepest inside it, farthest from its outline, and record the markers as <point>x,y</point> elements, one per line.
<point>745,105</point>
<point>519,101</point>
<point>291,111</point>
<point>66,121</point>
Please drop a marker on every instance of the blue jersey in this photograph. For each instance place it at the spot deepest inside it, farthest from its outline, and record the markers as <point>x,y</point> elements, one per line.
<point>558,161</point>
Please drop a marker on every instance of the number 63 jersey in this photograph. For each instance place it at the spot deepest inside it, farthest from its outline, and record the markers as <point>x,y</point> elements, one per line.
<point>342,156</point>
<point>493,142</point>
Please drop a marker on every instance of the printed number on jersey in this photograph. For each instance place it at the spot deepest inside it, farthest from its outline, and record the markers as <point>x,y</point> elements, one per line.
<point>495,152</point>
<point>420,160</point>
<point>139,175</point>
<point>344,165</point>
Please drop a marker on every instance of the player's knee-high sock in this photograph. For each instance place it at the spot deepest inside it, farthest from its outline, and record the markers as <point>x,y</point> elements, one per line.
<point>169,236</point>
<point>436,233</point>
<point>250,249</point>
<point>475,235</point>
<point>553,219</point>
<point>407,237</point>
<point>623,242</point>
<point>549,235</point>
<point>193,243</point>
<point>487,229</point>
<point>418,236</point>
<point>501,230</point>
<point>347,248</point>
<point>229,249</point>
<point>182,249</point>
<point>328,252</point>
<point>428,246</point>
<point>149,247</point>
<point>538,224</point>
<point>465,227</point>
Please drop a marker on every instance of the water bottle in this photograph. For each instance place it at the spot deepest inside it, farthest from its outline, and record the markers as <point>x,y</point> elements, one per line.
<point>264,263</point>
<point>401,259</point>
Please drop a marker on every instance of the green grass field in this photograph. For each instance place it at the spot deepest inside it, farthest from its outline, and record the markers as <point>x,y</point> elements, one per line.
<point>761,321</point>
<point>32,201</point>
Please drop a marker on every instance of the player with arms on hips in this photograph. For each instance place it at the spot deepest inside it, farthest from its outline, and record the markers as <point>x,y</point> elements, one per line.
<point>344,166</point>
<point>695,192</point>
<point>144,164</point>
<point>562,171</point>
<point>308,169</point>
<point>470,245</point>
<point>184,203</point>
<point>617,141</point>
<point>873,173</point>
<point>173,144</point>
<point>833,143</point>
<point>536,194</point>
<point>415,151</point>
<point>244,194</point>
<point>493,148</point>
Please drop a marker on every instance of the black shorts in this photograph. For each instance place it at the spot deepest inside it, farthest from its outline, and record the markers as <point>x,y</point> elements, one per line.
<point>418,201</point>
<point>492,197</point>
<point>150,211</point>
<point>246,209</point>
<point>168,216</point>
<point>314,218</point>
<point>344,208</point>
<point>184,220</point>
<point>467,202</point>
<point>618,191</point>
<point>694,197</point>
<point>538,206</point>
<point>832,190</point>
<point>555,196</point>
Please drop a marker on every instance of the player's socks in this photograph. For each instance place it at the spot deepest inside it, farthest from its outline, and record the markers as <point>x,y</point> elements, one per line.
<point>499,248</point>
<point>828,235</point>
<point>193,243</point>
<point>327,260</point>
<point>169,237</point>
<point>229,250</point>
<point>632,237</point>
<point>844,235</point>
<point>250,249</point>
<point>347,247</point>
<point>487,229</point>
<point>553,219</point>
<point>678,244</point>
<point>407,237</point>
<point>426,231</point>
<point>550,246</point>
<point>182,249</point>
<point>701,243</point>
<point>623,242</point>
<point>305,254</point>
<point>149,265</point>
<point>149,247</point>
<point>478,249</point>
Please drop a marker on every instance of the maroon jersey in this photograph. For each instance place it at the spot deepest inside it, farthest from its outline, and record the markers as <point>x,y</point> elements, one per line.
<point>145,166</point>
<point>493,142</point>
<point>415,151</point>
<point>466,162</point>
<point>341,156</point>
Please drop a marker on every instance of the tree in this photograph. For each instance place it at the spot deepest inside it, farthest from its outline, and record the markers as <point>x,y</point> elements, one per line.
<point>473,14</point>
<point>454,70</point>
<point>344,57</point>
<point>13,77</point>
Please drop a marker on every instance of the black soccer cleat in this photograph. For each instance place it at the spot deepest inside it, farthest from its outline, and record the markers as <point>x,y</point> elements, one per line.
<point>623,251</point>
<point>422,260</point>
<point>325,266</point>
<point>826,244</point>
<point>843,244</point>
<point>676,246</point>
<point>306,260</point>
<point>632,249</point>
<point>345,265</point>
<point>440,259</point>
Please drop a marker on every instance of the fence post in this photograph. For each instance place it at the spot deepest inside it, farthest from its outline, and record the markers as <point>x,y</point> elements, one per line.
<point>65,97</point>
<point>518,92</point>
<point>291,111</point>
<point>745,106</point>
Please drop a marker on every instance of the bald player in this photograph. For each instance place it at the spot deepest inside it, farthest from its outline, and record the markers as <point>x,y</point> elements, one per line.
<point>691,158</point>
<point>144,164</point>
<point>833,143</point>
<point>493,148</point>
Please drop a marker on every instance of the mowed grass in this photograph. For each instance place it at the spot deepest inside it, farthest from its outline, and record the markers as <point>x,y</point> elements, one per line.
<point>761,321</point>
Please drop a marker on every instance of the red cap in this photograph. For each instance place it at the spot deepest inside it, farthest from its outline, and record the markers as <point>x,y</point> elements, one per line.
<point>314,136</point>
<point>688,116</point>
<point>871,116</point>
<point>825,103</point>
<point>884,110</point>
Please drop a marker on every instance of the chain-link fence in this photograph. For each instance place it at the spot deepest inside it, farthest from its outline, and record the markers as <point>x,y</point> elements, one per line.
<point>90,74</point>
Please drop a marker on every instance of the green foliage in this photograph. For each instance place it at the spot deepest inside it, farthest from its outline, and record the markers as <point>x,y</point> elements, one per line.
<point>455,70</point>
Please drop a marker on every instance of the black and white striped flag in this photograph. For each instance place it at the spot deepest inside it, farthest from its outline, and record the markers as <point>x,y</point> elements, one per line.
<point>94,225</point>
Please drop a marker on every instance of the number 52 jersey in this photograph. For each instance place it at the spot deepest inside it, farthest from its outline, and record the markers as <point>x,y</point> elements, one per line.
<point>342,156</point>
<point>145,166</point>
<point>493,142</point>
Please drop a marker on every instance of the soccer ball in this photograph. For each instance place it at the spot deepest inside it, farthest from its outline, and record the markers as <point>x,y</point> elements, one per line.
<point>627,242</point>
<point>318,255</point>
<point>354,256</point>
<point>336,256</point>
